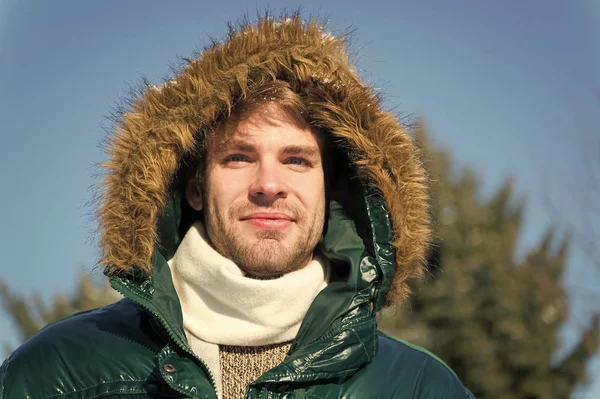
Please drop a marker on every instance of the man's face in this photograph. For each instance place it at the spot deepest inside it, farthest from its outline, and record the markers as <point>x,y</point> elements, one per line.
<point>264,195</point>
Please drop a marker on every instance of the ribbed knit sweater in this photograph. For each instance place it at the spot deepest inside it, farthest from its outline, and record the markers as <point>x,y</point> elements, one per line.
<point>240,365</point>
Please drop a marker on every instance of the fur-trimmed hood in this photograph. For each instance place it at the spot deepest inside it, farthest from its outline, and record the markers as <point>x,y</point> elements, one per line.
<point>164,125</point>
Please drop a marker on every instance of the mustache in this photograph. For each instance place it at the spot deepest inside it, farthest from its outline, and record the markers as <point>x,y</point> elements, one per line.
<point>249,208</point>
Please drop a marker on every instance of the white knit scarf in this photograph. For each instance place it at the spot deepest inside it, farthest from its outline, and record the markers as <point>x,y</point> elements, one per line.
<point>222,306</point>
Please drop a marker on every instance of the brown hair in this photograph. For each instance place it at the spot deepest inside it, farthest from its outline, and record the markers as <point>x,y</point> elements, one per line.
<point>277,101</point>
<point>274,95</point>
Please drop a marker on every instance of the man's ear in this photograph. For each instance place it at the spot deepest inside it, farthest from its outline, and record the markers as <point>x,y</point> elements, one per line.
<point>193,194</point>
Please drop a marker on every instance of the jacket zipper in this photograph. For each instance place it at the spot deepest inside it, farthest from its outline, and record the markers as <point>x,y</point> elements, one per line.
<point>126,292</point>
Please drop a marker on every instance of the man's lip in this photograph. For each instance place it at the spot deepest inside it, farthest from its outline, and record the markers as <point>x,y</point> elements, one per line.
<point>268,215</point>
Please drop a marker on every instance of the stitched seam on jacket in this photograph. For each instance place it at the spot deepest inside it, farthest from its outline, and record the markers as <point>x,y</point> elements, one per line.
<point>66,395</point>
<point>362,344</point>
<point>309,363</point>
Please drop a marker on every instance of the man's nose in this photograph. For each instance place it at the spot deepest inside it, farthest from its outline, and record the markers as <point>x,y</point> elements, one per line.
<point>269,183</point>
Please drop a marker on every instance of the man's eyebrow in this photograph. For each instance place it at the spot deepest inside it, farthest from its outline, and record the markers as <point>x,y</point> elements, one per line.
<point>238,145</point>
<point>296,149</point>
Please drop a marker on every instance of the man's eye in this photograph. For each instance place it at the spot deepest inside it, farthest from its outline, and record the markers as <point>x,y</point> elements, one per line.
<point>297,161</point>
<point>236,158</point>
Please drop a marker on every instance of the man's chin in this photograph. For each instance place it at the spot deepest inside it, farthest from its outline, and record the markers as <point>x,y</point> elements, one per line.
<point>268,242</point>
<point>265,258</point>
<point>270,235</point>
<point>268,269</point>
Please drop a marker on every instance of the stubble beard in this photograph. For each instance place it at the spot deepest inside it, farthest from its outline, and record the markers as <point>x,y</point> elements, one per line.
<point>262,254</point>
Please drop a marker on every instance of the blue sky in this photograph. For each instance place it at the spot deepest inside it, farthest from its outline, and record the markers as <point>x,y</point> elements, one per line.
<point>509,87</point>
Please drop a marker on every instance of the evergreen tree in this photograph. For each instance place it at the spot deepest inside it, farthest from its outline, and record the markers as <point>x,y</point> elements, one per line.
<point>30,314</point>
<point>493,319</point>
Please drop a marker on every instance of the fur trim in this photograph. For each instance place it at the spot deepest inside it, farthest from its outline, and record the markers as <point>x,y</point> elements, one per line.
<point>165,123</point>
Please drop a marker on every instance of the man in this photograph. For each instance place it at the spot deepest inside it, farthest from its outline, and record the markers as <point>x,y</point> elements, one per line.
<point>258,210</point>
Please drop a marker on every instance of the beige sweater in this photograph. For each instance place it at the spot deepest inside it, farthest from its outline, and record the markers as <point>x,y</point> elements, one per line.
<point>240,365</point>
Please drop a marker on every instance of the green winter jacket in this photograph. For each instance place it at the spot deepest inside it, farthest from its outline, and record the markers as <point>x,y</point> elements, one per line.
<point>375,237</point>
